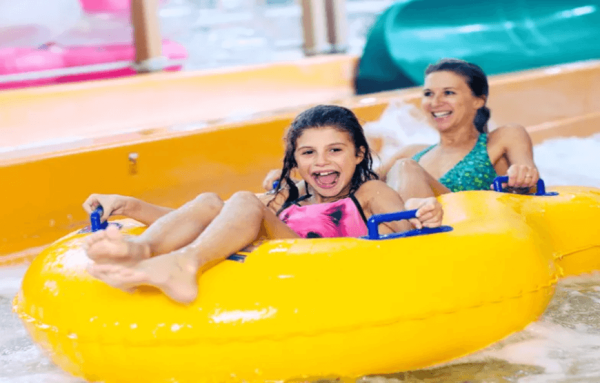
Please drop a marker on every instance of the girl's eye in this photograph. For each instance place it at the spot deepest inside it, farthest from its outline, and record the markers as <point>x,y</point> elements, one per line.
<point>336,149</point>
<point>307,152</point>
<point>427,93</point>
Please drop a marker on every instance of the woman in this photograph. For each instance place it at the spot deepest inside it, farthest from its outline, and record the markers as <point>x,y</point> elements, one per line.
<point>467,157</point>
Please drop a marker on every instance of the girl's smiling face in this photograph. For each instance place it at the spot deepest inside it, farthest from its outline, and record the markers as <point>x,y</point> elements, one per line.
<point>326,159</point>
<point>448,101</point>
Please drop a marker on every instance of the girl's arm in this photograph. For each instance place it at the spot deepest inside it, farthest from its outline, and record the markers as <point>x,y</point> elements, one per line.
<point>518,149</point>
<point>376,197</point>
<point>114,204</point>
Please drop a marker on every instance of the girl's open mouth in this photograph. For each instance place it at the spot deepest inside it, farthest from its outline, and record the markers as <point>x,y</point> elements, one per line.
<point>326,180</point>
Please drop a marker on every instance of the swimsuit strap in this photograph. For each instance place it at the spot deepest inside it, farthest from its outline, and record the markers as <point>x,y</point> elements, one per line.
<point>417,157</point>
<point>358,207</point>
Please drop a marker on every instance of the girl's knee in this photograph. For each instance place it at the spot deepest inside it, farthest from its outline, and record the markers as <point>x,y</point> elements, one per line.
<point>247,202</point>
<point>245,197</point>
<point>211,200</point>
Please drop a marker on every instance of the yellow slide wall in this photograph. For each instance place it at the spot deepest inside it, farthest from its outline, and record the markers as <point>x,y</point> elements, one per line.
<point>151,119</point>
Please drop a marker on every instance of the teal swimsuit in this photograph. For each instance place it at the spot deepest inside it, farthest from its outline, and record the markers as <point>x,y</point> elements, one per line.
<point>474,172</point>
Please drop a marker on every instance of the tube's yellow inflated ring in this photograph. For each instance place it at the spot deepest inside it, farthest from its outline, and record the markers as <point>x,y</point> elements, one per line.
<point>321,307</point>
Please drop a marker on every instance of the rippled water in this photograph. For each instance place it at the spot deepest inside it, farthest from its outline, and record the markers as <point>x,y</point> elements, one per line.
<point>564,346</point>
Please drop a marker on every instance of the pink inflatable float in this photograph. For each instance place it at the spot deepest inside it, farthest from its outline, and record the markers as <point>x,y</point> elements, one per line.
<point>90,55</point>
<point>21,60</point>
<point>48,57</point>
<point>46,64</point>
<point>109,6</point>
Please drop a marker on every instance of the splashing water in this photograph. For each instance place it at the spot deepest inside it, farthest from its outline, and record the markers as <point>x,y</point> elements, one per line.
<point>563,346</point>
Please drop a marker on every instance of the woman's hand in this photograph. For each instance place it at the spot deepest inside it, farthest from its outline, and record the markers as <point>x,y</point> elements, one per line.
<point>429,212</point>
<point>112,204</point>
<point>522,176</point>
<point>271,177</point>
<point>518,149</point>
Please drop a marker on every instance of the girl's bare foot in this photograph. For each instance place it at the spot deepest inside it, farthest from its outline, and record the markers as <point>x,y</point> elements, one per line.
<point>175,274</point>
<point>110,245</point>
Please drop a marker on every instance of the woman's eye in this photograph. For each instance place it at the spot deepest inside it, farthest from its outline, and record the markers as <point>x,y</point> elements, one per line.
<point>427,94</point>
<point>448,92</point>
<point>307,152</point>
<point>336,150</point>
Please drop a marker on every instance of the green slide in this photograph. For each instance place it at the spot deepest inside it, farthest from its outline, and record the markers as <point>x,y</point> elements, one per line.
<point>499,35</point>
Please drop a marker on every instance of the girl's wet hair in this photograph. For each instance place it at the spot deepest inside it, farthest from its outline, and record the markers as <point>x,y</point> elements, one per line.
<point>475,78</point>
<point>322,116</point>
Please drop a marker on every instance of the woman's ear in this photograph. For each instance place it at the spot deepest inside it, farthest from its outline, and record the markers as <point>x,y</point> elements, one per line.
<point>480,102</point>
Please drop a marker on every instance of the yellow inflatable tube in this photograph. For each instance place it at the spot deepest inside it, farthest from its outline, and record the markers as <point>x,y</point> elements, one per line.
<point>315,308</point>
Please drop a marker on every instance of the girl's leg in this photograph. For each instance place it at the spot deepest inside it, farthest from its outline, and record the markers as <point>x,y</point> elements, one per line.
<point>410,180</point>
<point>171,232</point>
<point>242,220</point>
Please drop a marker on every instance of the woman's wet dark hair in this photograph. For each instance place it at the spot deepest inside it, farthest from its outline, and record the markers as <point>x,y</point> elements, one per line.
<point>322,116</point>
<point>475,78</point>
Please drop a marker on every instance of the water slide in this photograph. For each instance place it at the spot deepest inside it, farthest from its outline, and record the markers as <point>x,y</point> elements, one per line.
<point>499,35</point>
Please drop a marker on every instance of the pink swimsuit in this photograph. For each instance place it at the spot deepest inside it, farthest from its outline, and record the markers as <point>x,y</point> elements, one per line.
<point>343,218</point>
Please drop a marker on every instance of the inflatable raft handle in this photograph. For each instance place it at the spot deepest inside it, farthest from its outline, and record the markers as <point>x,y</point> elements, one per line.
<point>375,220</point>
<point>541,186</point>
<point>96,219</point>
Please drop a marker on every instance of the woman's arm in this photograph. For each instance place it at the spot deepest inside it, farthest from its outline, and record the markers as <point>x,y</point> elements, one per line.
<point>114,204</point>
<point>378,198</point>
<point>518,150</point>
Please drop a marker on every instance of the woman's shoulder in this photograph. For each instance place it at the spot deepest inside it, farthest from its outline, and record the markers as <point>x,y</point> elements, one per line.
<point>508,131</point>
<point>507,136</point>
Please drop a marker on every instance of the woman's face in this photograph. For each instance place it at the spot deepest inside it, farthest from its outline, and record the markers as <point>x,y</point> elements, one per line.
<point>448,101</point>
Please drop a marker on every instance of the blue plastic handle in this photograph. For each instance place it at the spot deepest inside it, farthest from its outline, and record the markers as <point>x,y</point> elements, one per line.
<point>375,220</point>
<point>96,219</point>
<point>541,186</point>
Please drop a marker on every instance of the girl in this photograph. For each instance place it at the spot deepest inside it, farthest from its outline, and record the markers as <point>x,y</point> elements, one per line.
<point>325,144</point>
